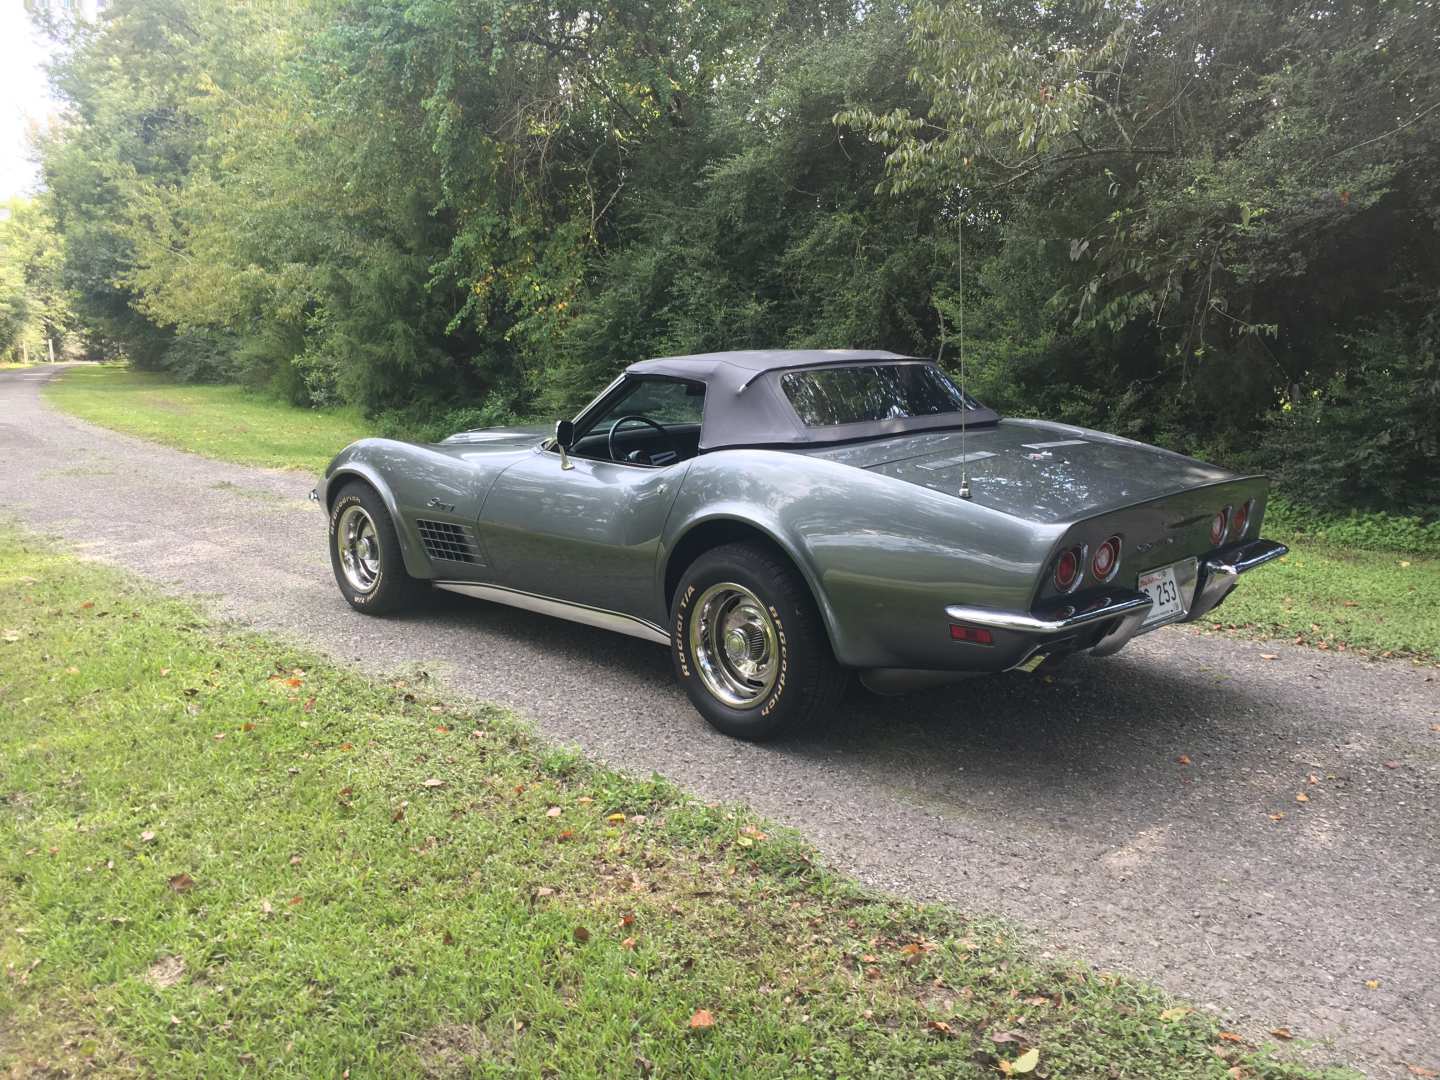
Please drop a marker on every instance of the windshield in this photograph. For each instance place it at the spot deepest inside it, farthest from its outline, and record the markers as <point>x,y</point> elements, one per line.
<point>829,396</point>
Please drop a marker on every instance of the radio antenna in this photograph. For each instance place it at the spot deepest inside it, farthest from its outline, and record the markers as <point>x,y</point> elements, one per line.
<point>964,393</point>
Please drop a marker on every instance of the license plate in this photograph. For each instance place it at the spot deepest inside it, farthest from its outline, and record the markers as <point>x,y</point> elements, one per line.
<point>1164,591</point>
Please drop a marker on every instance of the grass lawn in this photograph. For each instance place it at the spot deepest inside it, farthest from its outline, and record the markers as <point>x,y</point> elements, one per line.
<point>1380,603</point>
<point>220,856</point>
<point>226,422</point>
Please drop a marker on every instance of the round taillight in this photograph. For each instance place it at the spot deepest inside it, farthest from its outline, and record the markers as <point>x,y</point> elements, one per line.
<point>1067,569</point>
<point>1217,526</point>
<point>1107,558</point>
<point>1240,519</point>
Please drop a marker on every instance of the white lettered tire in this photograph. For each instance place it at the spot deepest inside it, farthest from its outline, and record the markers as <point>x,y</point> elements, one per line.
<point>365,552</point>
<point>749,645</point>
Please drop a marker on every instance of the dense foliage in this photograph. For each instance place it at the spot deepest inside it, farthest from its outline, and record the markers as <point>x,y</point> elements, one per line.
<point>1211,225</point>
<point>35,319</point>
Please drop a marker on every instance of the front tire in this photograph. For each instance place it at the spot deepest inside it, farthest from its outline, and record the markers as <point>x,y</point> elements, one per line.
<point>365,553</point>
<point>749,646</point>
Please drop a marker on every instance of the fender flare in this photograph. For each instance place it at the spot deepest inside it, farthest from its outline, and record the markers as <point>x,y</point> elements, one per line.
<point>416,564</point>
<point>793,551</point>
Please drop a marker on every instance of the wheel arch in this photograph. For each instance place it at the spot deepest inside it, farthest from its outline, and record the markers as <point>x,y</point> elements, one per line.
<point>415,564</point>
<point>716,531</point>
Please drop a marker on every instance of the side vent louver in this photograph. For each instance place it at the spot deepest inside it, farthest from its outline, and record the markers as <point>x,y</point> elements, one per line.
<point>447,542</point>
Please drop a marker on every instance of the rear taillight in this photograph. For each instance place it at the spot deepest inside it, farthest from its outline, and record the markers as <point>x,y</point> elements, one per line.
<point>1106,560</point>
<point>1067,569</point>
<point>1240,519</point>
<point>1217,526</point>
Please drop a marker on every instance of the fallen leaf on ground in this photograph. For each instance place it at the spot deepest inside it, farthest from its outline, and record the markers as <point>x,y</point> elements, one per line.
<point>1392,764</point>
<point>1230,1036</point>
<point>182,882</point>
<point>628,943</point>
<point>146,836</point>
<point>266,908</point>
<point>1277,816</point>
<point>939,1026</point>
<point>615,819</point>
<point>1025,1063</point>
<point>1005,1037</point>
<point>1302,797</point>
<point>702,1018</point>
<point>628,919</point>
<point>582,935</point>
<point>544,890</point>
<point>554,811</point>
<point>1282,1033</point>
<point>1420,1070</point>
<point>88,604</point>
<point>1269,656</point>
<point>295,901</point>
<point>433,782</point>
<point>1178,1013</point>
<point>1372,984</point>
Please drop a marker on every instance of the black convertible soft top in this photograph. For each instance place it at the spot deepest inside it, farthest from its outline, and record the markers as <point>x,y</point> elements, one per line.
<point>746,406</point>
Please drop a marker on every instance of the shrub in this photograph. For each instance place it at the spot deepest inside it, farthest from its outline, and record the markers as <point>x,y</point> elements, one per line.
<point>1368,439</point>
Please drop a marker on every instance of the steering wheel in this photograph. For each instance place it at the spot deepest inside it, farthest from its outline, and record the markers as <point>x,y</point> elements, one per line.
<point>610,439</point>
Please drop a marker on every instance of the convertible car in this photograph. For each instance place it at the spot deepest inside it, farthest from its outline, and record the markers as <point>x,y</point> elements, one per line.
<point>780,519</point>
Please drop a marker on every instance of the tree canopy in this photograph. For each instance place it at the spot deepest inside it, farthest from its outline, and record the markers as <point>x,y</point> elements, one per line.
<point>1211,225</point>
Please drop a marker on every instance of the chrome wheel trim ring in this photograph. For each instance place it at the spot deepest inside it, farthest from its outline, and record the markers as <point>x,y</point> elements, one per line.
<point>736,645</point>
<point>358,546</point>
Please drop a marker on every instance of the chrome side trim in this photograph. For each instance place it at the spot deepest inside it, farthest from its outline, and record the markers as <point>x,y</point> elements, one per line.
<point>1065,617</point>
<point>561,609</point>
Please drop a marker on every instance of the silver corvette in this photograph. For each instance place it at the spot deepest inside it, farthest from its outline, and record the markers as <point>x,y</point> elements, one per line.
<point>780,519</point>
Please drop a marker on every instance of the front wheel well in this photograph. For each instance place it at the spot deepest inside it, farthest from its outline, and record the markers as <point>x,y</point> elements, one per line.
<point>342,480</point>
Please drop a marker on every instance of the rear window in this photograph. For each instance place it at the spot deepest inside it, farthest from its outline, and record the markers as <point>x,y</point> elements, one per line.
<point>826,397</point>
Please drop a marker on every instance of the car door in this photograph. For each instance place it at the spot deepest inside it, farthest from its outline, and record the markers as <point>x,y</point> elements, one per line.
<point>590,534</point>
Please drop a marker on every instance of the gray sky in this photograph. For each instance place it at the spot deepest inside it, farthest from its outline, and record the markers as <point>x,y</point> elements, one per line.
<point>24,96</point>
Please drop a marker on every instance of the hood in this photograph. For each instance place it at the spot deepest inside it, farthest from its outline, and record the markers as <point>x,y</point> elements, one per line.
<point>500,438</point>
<point>1033,470</point>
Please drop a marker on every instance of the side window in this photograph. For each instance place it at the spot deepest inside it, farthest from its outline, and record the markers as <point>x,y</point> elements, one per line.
<point>663,424</point>
<point>666,401</point>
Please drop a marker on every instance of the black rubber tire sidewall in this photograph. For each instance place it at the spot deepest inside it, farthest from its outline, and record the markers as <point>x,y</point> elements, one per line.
<point>809,680</point>
<point>394,589</point>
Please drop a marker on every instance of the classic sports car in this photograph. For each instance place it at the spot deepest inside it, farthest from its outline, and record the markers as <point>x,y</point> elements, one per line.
<point>779,518</point>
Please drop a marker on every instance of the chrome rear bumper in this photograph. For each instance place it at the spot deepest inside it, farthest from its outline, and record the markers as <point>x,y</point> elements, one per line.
<point>1220,571</point>
<point>1124,610</point>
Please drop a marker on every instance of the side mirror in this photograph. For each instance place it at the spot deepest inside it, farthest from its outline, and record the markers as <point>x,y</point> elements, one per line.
<point>564,439</point>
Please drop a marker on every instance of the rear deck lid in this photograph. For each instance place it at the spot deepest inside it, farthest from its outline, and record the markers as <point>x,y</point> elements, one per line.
<point>1033,470</point>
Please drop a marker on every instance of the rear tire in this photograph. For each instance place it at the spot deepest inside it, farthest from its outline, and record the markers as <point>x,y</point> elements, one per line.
<point>749,645</point>
<point>365,553</point>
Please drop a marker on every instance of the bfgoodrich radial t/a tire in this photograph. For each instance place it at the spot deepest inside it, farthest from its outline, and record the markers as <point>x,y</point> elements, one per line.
<point>365,552</point>
<point>748,644</point>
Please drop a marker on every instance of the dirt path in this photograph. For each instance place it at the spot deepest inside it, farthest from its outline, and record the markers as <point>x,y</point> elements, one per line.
<point>1059,803</point>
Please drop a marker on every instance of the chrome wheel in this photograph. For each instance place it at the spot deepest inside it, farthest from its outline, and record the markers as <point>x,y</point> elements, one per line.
<point>359,548</point>
<point>735,645</point>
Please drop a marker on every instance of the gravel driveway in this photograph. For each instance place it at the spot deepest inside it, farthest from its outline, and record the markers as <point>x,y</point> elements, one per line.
<point>1060,804</point>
